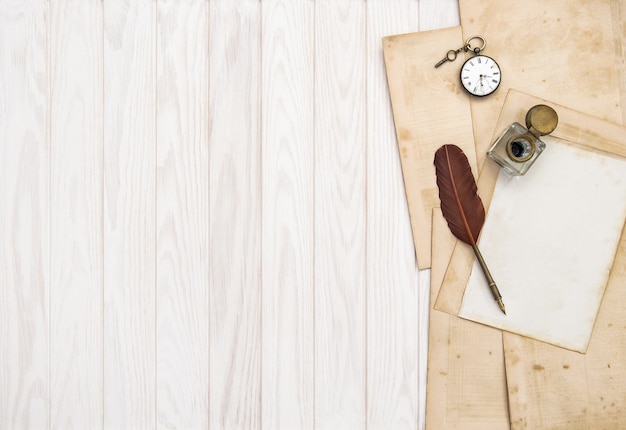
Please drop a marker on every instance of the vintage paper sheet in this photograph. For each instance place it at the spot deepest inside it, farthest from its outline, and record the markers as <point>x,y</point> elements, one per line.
<point>552,33</point>
<point>552,388</point>
<point>575,127</point>
<point>466,379</point>
<point>537,34</point>
<point>429,109</point>
<point>585,381</point>
<point>571,52</point>
<point>549,240</point>
<point>568,51</point>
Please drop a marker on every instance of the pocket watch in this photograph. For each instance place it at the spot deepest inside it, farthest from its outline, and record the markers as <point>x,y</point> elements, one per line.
<point>480,75</point>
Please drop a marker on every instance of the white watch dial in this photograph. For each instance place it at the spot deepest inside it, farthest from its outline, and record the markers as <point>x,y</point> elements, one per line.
<point>480,75</point>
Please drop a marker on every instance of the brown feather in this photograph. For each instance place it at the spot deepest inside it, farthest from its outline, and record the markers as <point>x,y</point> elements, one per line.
<point>460,204</point>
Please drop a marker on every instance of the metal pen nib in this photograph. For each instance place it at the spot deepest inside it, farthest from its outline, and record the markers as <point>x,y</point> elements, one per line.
<point>501,305</point>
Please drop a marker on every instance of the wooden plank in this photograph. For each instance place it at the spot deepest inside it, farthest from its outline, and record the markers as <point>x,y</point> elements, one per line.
<point>432,14</point>
<point>435,14</point>
<point>340,214</point>
<point>129,213</point>
<point>393,343</point>
<point>287,213</point>
<point>235,207</point>
<point>182,319</point>
<point>76,214</point>
<point>24,215</point>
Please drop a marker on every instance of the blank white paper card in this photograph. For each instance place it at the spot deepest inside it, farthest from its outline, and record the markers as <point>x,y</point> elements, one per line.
<point>549,240</point>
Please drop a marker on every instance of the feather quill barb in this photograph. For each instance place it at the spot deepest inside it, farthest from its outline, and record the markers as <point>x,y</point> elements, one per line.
<point>460,204</point>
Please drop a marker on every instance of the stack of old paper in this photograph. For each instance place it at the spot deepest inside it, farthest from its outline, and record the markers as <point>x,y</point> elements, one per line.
<point>487,375</point>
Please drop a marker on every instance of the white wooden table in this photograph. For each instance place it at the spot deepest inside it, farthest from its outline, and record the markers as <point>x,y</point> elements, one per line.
<point>202,216</point>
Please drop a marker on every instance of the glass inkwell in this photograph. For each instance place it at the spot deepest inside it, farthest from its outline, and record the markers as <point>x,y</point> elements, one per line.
<point>518,147</point>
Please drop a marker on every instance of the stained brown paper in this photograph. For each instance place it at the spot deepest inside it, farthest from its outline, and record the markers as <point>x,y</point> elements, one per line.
<point>429,109</point>
<point>570,52</point>
<point>551,387</point>
<point>575,127</point>
<point>558,50</point>
<point>466,381</point>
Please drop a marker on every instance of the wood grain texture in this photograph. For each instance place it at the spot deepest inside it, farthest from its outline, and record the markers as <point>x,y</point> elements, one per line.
<point>76,215</point>
<point>202,224</point>
<point>129,213</point>
<point>434,14</point>
<point>182,321</point>
<point>340,214</point>
<point>423,301</point>
<point>287,251</point>
<point>24,216</point>
<point>466,388</point>
<point>235,207</point>
<point>392,277</point>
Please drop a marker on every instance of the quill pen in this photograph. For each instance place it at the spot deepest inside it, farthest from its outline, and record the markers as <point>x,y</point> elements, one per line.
<point>460,204</point>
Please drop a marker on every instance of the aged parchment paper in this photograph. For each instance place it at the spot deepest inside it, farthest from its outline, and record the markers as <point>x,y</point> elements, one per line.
<point>571,52</point>
<point>466,381</point>
<point>429,109</point>
<point>552,387</point>
<point>549,240</point>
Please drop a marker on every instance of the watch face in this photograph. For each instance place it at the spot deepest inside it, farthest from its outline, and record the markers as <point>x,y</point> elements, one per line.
<point>480,75</point>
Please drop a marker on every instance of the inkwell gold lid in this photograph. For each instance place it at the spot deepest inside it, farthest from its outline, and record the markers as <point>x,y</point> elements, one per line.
<point>541,120</point>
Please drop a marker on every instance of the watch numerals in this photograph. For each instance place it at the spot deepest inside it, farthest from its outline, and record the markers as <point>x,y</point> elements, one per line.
<point>480,75</point>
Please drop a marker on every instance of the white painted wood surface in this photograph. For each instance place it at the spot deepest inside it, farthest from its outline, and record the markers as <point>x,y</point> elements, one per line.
<point>129,214</point>
<point>182,215</point>
<point>340,214</point>
<point>202,216</point>
<point>24,216</point>
<point>235,214</point>
<point>393,297</point>
<point>76,211</point>
<point>288,222</point>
